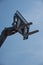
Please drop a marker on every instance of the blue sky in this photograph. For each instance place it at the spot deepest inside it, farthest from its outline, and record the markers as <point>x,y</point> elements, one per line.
<point>16,51</point>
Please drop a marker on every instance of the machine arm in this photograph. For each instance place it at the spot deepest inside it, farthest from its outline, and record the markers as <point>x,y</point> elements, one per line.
<point>6,32</point>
